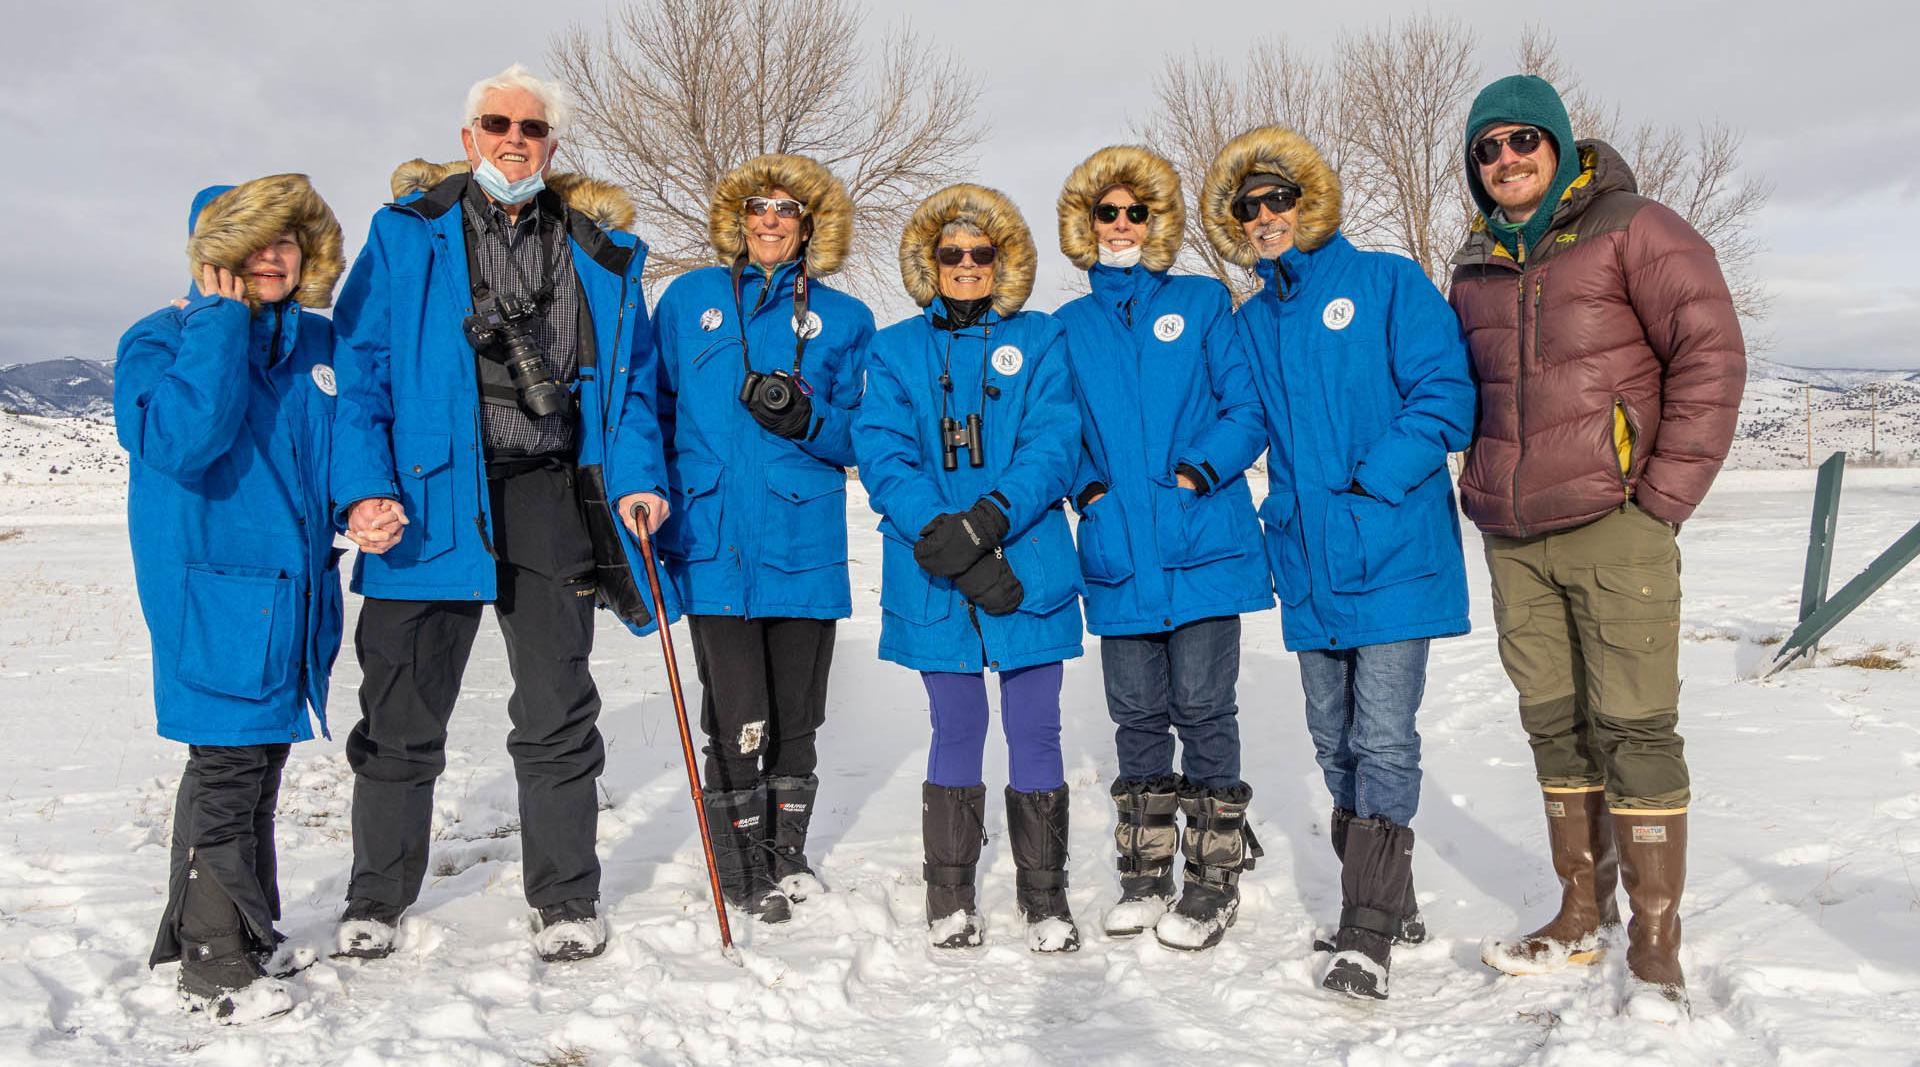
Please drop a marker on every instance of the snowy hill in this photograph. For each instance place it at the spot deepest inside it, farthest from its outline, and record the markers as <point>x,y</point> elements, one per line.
<point>58,387</point>
<point>1874,416</point>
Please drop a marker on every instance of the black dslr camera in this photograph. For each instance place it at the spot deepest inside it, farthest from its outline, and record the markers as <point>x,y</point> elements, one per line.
<point>772,393</point>
<point>955,436</point>
<point>501,328</point>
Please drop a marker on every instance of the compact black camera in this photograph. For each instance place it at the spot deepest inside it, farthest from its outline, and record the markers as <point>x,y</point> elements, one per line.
<point>772,393</point>
<point>954,436</point>
<point>501,328</point>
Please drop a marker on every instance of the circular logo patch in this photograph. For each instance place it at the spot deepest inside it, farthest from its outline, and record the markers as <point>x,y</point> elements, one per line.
<point>1338,314</point>
<point>710,319</point>
<point>1169,327</point>
<point>323,379</point>
<point>811,328</point>
<point>1008,360</point>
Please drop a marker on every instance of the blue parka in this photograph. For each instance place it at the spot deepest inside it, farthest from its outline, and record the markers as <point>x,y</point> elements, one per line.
<point>758,526</point>
<point>227,416</point>
<point>1031,438</point>
<point>408,422</point>
<point>1162,381</point>
<point>1362,371</point>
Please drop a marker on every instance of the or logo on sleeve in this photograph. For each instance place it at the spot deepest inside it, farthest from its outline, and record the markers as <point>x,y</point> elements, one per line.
<point>1338,314</point>
<point>710,319</point>
<point>1169,327</point>
<point>323,379</point>
<point>1008,360</point>
<point>811,328</point>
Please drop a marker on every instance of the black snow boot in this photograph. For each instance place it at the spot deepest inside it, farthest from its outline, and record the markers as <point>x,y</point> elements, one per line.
<point>219,971</point>
<point>1037,831</point>
<point>952,825</point>
<point>1217,845</point>
<point>1375,876</point>
<point>1146,836</point>
<point>790,805</point>
<point>742,853</point>
<point>1413,928</point>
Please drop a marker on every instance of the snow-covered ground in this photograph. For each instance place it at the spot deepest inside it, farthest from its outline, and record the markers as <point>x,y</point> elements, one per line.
<point>1802,917</point>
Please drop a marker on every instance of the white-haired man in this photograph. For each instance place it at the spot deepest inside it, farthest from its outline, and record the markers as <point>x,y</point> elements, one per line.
<point>493,369</point>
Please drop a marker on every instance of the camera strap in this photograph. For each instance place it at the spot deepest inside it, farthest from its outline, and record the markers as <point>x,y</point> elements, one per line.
<point>800,334</point>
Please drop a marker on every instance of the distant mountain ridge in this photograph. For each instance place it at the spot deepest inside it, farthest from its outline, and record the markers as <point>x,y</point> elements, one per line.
<point>58,388</point>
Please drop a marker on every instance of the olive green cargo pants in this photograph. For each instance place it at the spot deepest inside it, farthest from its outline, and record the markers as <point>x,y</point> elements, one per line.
<point>1589,625</point>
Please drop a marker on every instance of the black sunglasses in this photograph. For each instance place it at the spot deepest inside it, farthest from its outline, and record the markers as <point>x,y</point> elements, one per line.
<point>1136,213</point>
<point>498,125</point>
<point>1524,141</point>
<point>1279,201</point>
<point>950,255</point>
<point>784,207</point>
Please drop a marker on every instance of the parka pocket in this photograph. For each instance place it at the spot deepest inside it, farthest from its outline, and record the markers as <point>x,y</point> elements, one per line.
<point>1286,554</point>
<point>1372,544</point>
<point>1043,560</point>
<point>692,529</point>
<point>1201,527</point>
<point>807,520</point>
<point>426,491</point>
<point>236,633</point>
<point>1106,556</point>
<point>908,591</point>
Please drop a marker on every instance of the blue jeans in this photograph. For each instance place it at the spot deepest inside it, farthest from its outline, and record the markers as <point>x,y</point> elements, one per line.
<point>1361,704</point>
<point>1029,716</point>
<point>1182,682</point>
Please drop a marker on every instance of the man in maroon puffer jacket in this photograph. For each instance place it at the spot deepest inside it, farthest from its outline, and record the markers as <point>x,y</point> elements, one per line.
<point>1610,368</point>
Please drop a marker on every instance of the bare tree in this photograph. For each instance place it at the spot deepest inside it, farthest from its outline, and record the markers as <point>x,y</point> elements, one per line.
<point>1204,102</point>
<point>1407,87</point>
<point>675,93</point>
<point>1696,175</point>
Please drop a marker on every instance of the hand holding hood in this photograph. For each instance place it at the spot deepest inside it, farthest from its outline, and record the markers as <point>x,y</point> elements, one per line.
<point>230,223</point>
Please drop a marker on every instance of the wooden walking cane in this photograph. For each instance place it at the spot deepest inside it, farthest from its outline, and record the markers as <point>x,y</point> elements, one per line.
<point>686,736</point>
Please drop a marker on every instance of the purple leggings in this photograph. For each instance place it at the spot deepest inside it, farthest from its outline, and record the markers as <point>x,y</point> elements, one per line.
<point>1029,716</point>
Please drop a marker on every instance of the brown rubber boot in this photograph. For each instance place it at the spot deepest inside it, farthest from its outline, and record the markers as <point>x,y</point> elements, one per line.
<point>1580,832</point>
<point>1653,867</point>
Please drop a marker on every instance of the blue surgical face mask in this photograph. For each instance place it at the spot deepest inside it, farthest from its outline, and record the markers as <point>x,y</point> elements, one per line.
<point>498,187</point>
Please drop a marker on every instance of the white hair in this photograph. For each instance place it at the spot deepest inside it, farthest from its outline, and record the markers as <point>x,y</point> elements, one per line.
<point>553,97</point>
<point>964,226</point>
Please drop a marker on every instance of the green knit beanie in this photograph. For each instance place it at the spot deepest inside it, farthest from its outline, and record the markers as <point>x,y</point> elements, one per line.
<point>1530,99</point>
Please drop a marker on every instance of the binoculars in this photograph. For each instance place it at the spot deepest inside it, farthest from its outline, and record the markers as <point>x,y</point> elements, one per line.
<point>954,436</point>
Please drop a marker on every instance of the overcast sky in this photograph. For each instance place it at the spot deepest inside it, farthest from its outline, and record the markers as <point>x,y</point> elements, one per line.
<point>120,111</point>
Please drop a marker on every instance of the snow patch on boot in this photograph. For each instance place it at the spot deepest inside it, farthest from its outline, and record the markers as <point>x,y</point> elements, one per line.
<point>958,930</point>
<point>574,939</point>
<point>1654,1003</point>
<point>1053,935</point>
<point>799,887</point>
<point>1191,934</point>
<point>365,939</point>
<point>263,998</point>
<point>1131,917</point>
<point>288,959</point>
<point>1527,956</point>
<point>1352,973</point>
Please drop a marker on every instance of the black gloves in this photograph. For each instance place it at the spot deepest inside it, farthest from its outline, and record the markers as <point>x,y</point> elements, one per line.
<point>1086,496</point>
<point>954,542</point>
<point>793,421</point>
<point>990,584</point>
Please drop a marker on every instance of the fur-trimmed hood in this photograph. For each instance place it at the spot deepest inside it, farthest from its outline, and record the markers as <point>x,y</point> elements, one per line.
<point>238,221</point>
<point>1152,181</point>
<point>1281,151</point>
<point>604,204</point>
<point>995,215</point>
<point>829,208</point>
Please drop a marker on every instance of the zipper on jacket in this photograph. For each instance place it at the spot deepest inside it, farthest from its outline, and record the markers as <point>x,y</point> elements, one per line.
<point>1520,390</point>
<point>1633,439</point>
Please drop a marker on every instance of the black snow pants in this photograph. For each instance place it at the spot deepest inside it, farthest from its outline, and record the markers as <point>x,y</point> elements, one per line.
<point>223,821</point>
<point>763,695</point>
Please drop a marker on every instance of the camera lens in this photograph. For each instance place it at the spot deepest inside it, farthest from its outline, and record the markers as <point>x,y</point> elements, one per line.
<point>776,395</point>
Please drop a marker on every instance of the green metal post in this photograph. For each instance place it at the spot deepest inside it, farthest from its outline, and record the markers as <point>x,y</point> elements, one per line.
<point>1850,596</point>
<point>1826,521</point>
